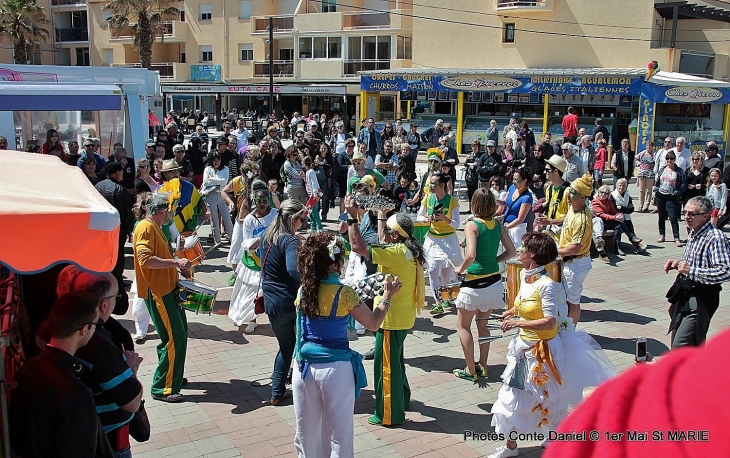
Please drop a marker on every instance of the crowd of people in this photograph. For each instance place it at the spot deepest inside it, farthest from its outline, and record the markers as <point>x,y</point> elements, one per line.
<point>530,204</point>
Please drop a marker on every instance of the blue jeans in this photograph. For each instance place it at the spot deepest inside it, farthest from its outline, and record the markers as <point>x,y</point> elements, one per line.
<point>126,453</point>
<point>284,327</point>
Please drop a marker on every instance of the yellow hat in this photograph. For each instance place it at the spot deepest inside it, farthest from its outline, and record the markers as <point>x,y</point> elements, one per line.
<point>369,180</point>
<point>583,185</point>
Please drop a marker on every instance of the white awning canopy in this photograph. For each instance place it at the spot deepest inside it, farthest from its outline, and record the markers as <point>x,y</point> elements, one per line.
<point>661,78</point>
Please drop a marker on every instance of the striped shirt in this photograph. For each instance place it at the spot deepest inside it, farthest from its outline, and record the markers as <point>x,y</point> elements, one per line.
<point>708,254</point>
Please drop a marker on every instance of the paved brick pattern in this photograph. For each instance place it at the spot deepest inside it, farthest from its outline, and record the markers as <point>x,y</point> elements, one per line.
<point>227,413</point>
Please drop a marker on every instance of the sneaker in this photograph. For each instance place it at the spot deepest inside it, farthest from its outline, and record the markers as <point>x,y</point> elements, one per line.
<point>361,331</point>
<point>251,327</point>
<point>504,452</point>
<point>232,280</point>
<point>177,397</point>
<point>370,354</point>
<point>445,305</point>
<point>600,243</point>
<point>635,239</point>
<point>463,374</point>
<point>437,310</point>
<point>481,371</point>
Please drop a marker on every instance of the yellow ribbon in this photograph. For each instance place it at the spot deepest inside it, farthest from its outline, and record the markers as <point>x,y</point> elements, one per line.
<point>543,356</point>
<point>393,224</point>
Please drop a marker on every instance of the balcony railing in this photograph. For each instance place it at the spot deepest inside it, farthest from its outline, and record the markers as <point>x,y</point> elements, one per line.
<point>354,66</point>
<point>65,35</point>
<point>521,4</point>
<point>68,2</point>
<point>380,20</point>
<point>281,24</point>
<point>166,69</point>
<point>128,32</point>
<point>281,68</point>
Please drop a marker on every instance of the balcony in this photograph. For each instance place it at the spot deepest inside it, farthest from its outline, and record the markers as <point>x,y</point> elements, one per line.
<point>173,32</point>
<point>354,66</point>
<point>281,24</point>
<point>72,35</point>
<point>524,5</point>
<point>281,68</point>
<point>356,21</point>
<point>168,70</point>
<point>68,3</point>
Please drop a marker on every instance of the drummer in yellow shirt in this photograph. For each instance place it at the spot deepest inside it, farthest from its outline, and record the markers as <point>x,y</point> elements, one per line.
<point>156,274</point>
<point>401,256</point>
<point>575,243</point>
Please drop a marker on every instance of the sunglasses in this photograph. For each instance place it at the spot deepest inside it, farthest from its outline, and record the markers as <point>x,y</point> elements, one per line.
<point>695,159</point>
<point>261,200</point>
<point>144,166</point>
<point>357,162</point>
<point>693,214</point>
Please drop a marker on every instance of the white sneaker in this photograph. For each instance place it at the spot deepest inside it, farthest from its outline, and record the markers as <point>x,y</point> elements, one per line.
<point>139,338</point>
<point>361,332</point>
<point>250,327</point>
<point>504,452</point>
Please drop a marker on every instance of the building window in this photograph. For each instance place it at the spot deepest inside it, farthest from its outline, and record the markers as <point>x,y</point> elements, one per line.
<point>182,13</point>
<point>246,52</point>
<point>183,58</point>
<point>329,6</point>
<point>320,47</point>
<point>403,50</point>
<point>105,15</point>
<point>82,57</point>
<point>206,53</point>
<point>369,48</point>
<point>509,33</point>
<point>286,54</point>
<point>206,12</point>
<point>245,9</point>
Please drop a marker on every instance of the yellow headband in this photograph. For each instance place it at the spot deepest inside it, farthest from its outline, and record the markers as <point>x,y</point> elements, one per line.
<point>393,224</point>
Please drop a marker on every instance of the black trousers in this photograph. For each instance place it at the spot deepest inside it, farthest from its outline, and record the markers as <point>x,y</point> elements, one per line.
<point>122,304</point>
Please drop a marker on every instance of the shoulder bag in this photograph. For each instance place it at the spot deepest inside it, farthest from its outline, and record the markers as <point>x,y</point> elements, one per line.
<point>258,302</point>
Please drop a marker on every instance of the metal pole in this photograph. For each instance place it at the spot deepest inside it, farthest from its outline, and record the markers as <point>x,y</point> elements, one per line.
<point>675,17</point>
<point>271,65</point>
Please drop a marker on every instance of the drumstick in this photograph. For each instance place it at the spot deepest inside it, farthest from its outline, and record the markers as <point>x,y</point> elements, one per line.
<point>487,339</point>
<point>202,256</point>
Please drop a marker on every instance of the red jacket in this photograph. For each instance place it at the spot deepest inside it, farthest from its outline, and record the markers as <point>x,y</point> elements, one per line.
<point>604,209</point>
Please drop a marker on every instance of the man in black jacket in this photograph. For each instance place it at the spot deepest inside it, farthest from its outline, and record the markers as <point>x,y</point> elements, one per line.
<point>117,195</point>
<point>599,127</point>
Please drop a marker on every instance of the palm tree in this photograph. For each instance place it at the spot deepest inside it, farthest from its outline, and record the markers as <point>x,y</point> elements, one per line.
<point>22,21</point>
<point>146,19</point>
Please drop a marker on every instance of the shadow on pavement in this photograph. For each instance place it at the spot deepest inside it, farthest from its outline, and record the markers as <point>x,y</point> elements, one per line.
<point>655,347</point>
<point>613,316</point>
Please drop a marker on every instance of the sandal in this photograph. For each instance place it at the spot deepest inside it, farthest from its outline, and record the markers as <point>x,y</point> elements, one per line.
<point>661,239</point>
<point>481,371</point>
<point>437,310</point>
<point>463,374</point>
<point>679,243</point>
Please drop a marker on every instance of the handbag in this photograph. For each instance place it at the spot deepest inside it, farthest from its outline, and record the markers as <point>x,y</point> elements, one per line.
<point>258,302</point>
<point>139,426</point>
<point>517,380</point>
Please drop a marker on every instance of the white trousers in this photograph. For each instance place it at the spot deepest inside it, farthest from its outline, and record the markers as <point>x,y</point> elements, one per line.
<point>217,206</point>
<point>140,312</point>
<point>324,406</point>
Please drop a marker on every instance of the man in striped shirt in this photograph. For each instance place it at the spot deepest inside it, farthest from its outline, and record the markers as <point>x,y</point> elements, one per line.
<point>703,267</point>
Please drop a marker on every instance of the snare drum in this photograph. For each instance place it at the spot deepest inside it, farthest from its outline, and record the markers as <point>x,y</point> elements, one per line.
<point>514,267</point>
<point>449,291</point>
<point>195,296</point>
<point>192,250</point>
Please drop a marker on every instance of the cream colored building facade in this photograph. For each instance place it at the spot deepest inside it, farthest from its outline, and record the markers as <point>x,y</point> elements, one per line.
<point>69,42</point>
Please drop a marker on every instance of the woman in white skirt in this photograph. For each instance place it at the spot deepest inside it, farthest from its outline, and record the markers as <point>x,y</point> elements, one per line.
<point>548,362</point>
<point>441,245</point>
<point>239,187</point>
<point>518,205</point>
<point>248,274</point>
<point>481,290</point>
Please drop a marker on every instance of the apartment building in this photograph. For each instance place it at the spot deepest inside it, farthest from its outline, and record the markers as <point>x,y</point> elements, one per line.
<point>69,42</point>
<point>216,54</point>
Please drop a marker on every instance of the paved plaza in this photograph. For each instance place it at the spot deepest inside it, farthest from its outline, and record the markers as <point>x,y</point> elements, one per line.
<point>226,412</point>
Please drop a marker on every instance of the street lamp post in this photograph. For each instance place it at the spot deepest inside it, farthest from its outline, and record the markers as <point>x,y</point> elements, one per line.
<point>271,65</point>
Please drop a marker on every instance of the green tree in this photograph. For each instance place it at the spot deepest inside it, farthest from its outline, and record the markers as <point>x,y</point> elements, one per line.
<point>22,23</point>
<point>146,18</point>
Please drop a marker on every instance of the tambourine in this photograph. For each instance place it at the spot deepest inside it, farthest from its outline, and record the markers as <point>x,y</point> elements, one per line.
<point>375,202</point>
<point>370,286</point>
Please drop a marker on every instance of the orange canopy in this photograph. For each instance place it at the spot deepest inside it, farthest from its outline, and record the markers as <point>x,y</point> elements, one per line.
<point>50,213</point>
